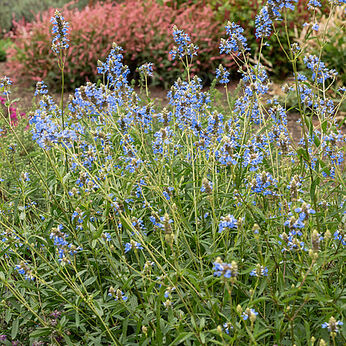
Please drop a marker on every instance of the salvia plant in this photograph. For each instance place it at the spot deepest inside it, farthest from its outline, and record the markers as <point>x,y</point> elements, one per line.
<point>184,224</point>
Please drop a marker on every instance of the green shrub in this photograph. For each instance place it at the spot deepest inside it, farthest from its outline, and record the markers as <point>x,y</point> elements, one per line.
<point>25,10</point>
<point>244,12</point>
<point>4,45</point>
<point>333,46</point>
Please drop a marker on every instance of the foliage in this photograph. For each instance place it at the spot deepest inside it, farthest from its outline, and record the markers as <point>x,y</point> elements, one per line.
<point>132,224</point>
<point>142,28</point>
<point>4,45</point>
<point>25,10</point>
<point>333,47</point>
<point>243,12</point>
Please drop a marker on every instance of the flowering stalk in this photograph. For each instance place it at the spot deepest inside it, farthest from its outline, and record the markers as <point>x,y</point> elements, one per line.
<point>59,47</point>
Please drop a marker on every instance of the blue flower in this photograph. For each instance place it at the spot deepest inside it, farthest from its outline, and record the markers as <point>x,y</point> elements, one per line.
<point>337,2</point>
<point>304,211</point>
<point>338,235</point>
<point>185,47</point>
<point>227,222</point>
<point>5,84</point>
<point>117,294</point>
<point>64,249</point>
<point>106,236</point>
<point>259,271</point>
<point>60,32</point>
<point>263,23</point>
<point>146,69</point>
<point>263,183</point>
<point>25,177</point>
<point>236,43</point>
<point>227,327</point>
<point>313,4</point>
<point>168,291</point>
<point>132,245</point>
<point>318,68</point>
<point>332,325</point>
<point>222,75</point>
<point>275,6</point>
<point>207,186</point>
<point>249,314</point>
<point>41,88</point>
<point>24,269</point>
<point>315,27</point>
<point>227,270</point>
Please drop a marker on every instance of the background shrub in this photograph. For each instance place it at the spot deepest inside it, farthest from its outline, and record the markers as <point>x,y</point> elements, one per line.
<point>333,52</point>
<point>243,12</point>
<point>142,28</point>
<point>26,9</point>
<point>4,45</point>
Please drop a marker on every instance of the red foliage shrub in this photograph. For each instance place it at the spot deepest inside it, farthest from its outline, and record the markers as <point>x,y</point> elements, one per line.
<point>142,27</point>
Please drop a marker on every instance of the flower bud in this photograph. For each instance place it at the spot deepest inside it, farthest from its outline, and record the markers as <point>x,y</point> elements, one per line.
<point>252,317</point>
<point>219,329</point>
<point>315,241</point>
<point>327,234</point>
<point>313,255</point>
<point>144,330</point>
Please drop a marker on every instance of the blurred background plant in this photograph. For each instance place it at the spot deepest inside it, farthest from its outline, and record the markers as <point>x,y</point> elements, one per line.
<point>5,43</point>
<point>26,10</point>
<point>142,28</point>
<point>333,49</point>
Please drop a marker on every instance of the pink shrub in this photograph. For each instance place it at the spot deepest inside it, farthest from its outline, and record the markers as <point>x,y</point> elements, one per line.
<point>142,27</point>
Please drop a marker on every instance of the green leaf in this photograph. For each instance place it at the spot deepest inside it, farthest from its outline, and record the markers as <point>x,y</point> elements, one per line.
<point>181,337</point>
<point>14,330</point>
<point>77,319</point>
<point>89,281</point>
<point>303,153</point>
<point>40,332</point>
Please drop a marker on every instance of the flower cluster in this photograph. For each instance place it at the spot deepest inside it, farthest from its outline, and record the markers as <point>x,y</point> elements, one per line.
<point>117,294</point>
<point>41,88</point>
<point>222,75</point>
<point>24,269</point>
<point>319,71</point>
<point>263,183</point>
<point>185,48</point>
<point>263,23</point>
<point>276,6</point>
<point>249,314</point>
<point>259,271</point>
<point>227,222</point>
<point>332,325</point>
<point>146,69</point>
<point>227,270</point>
<point>132,245</point>
<point>236,43</point>
<point>60,33</point>
<point>5,84</point>
<point>64,249</point>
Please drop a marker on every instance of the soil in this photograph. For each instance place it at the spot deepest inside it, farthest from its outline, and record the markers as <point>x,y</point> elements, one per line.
<point>25,93</point>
